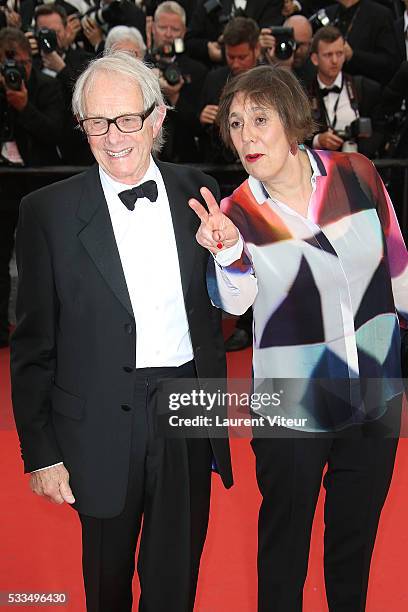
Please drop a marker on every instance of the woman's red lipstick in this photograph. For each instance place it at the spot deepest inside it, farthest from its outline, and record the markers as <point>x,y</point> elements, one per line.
<point>253,157</point>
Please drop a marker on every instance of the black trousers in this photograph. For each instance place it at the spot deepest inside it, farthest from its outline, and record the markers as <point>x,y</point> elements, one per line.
<point>169,486</point>
<point>289,472</point>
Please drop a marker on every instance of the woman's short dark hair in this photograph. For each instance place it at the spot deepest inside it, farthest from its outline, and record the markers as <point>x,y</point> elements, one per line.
<point>273,87</point>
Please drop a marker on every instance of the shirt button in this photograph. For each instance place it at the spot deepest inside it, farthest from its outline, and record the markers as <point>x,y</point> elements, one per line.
<point>129,328</point>
<point>126,407</point>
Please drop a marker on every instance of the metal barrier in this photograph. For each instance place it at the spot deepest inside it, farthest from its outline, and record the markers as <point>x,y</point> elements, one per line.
<point>394,172</point>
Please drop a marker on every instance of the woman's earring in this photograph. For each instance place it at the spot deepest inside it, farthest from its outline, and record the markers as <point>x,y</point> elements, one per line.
<point>293,148</point>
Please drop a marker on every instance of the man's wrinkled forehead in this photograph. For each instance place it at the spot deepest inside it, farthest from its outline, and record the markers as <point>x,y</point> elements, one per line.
<point>103,91</point>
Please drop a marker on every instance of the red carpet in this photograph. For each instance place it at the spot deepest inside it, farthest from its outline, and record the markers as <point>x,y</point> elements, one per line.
<point>40,542</point>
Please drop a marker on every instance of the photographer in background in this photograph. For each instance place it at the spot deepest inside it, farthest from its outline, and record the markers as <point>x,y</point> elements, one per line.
<point>123,38</point>
<point>107,14</point>
<point>242,52</point>
<point>203,39</point>
<point>294,47</point>
<point>370,41</point>
<point>31,111</point>
<point>181,80</point>
<point>343,106</point>
<point>61,61</point>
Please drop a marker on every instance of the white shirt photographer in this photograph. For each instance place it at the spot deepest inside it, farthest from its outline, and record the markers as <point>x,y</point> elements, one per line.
<point>344,113</point>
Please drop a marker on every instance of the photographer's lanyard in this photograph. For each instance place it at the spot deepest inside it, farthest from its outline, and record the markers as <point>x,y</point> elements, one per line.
<point>337,23</point>
<point>332,124</point>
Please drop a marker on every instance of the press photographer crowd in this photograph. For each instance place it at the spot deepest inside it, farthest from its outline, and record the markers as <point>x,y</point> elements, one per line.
<point>350,57</point>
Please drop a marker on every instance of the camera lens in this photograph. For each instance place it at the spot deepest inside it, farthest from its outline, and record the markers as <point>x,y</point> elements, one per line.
<point>172,74</point>
<point>284,49</point>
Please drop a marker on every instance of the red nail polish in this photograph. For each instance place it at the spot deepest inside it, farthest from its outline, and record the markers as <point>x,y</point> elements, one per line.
<point>219,245</point>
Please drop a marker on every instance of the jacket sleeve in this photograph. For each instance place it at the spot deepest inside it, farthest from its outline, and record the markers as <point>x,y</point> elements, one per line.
<point>33,350</point>
<point>396,250</point>
<point>44,119</point>
<point>232,283</point>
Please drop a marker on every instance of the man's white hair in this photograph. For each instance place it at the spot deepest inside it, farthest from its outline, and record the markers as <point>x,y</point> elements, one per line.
<point>170,7</point>
<point>119,34</point>
<point>130,68</point>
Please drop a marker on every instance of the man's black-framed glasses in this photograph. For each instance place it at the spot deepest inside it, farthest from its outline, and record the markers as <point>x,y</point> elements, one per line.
<point>132,122</point>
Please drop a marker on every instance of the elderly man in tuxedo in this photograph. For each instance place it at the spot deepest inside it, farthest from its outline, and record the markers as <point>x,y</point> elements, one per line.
<point>112,298</point>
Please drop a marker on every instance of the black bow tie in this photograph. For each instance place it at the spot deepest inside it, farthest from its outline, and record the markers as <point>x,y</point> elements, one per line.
<point>325,91</point>
<point>145,190</point>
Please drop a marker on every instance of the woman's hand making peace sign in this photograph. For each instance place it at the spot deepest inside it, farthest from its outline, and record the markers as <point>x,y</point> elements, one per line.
<point>216,231</point>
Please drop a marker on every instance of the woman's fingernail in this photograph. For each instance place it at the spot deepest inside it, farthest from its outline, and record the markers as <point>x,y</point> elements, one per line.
<point>219,245</point>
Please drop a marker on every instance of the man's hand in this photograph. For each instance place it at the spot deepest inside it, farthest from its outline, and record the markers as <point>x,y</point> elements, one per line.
<point>71,30</point>
<point>52,483</point>
<point>17,99</point>
<point>208,114</point>
<point>348,51</point>
<point>216,231</point>
<point>329,140</point>
<point>214,51</point>
<point>13,18</point>
<point>92,31</point>
<point>267,41</point>
<point>53,61</point>
<point>172,92</point>
<point>33,42</point>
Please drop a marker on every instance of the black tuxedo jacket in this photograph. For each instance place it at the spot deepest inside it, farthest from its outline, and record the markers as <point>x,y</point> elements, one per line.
<point>75,338</point>
<point>367,95</point>
<point>400,38</point>
<point>372,39</point>
<point>205,27</point>
<point>38,127</point>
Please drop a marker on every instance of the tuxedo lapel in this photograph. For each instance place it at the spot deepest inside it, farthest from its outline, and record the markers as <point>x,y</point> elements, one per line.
<point>185,222</point>
<point>98,238</point>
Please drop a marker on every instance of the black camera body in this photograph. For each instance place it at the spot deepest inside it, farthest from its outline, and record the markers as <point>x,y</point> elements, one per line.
<point>47,40</point>
<point>13,73</point>
<point>319,20</point>
<point>215,8</point>
<point>163,59</point>
<point>285,44</point>
<point>359,128</point>
<point>109,15</point>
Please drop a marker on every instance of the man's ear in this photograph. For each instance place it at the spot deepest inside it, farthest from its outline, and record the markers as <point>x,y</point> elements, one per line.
<point>160,115</point>
<point>313,58</point>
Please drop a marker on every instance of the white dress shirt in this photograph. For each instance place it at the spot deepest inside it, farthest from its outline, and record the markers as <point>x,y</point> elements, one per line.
<point>406,33</point>
<point>345,114</point>
<point>153,282</point>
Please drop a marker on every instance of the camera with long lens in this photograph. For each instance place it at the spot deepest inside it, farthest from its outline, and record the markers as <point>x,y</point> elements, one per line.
<point>215,9</point>
<point>13,74</point>
<point>285,44</point>
<point>164,60</point>
<point>47,40</point>
<point>319,20</point>
<point>111,14</point>
<point>359,128</point>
